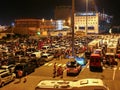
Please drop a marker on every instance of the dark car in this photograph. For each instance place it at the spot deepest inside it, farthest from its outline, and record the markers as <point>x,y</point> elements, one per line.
<point>73,68</point>
<point>87,54</point>
<point>27,68</point>
<point>37,62</point>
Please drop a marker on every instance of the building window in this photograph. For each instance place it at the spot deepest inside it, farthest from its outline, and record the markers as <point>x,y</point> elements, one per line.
<point>75,27</point>
<point>91,28</point>
<point>82,28</point>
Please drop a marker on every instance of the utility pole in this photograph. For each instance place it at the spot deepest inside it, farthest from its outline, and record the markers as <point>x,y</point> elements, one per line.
<point>72,22</point>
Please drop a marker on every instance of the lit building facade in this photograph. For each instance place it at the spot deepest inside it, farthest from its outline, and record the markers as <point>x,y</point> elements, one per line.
<point>32,26</point>
<point>96,22</point>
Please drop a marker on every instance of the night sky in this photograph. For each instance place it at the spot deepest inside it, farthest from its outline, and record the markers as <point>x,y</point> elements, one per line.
<point>17,9</point>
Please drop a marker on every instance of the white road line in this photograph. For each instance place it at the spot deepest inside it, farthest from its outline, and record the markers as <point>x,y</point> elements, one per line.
<point>63,65</point>
<point>59,64</point>
<point>46,64</point>
<point>87,66</point>
<point>50,64</point>
<point>114,73</point>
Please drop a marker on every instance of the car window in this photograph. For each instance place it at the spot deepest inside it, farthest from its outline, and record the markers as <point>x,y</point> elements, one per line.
<point>19,67</point>
<point>44,56</point>
<point>5,75</point>
<point>71,64</point>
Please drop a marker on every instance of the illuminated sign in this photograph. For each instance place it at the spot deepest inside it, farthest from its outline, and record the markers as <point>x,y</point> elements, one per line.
<point>84,14</point>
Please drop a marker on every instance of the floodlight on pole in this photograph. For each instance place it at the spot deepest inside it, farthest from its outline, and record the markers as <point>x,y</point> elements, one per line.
<point>86,28</point>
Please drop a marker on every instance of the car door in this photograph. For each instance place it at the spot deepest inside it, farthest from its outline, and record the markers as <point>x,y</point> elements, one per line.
<point>5,77</point>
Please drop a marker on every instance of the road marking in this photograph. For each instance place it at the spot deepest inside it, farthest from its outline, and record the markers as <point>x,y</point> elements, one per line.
<point>114,72</point>
<point>46,64</point>
<point>59,64</point>
<point>104,68</point>
<point>50,64</point>
<point>63,65</point>
<point>87,66</point>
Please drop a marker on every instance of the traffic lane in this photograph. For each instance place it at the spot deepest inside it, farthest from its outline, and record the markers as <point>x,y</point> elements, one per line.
<point>47,68</point>
<point>117,74</point>
<point>107,74</point>
<point>43,71</point>
<point>30,84</point>
<point>113,84</point>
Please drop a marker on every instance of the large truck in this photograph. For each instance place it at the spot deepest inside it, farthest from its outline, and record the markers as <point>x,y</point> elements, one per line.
<point>95,63</point>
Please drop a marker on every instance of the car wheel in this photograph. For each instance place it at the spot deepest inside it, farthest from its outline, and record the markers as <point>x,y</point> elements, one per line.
<point>2,84</point>
<point>67,74</point>
<point>13,79</point>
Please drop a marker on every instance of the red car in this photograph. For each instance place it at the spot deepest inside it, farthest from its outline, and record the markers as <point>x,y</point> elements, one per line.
<point>73,68</point>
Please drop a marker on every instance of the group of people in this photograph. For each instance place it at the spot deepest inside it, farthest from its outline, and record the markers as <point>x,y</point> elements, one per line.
<point>57,71</point>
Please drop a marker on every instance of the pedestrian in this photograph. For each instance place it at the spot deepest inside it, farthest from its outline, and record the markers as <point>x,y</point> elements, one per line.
<point>60,71</point>
<point>54,70</point>
<point>20,74</point>
<point>25,78</point>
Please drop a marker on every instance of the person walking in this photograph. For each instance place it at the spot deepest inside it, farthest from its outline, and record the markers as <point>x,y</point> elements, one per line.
<point>25,78</point>
<point>60,71</point>
<point>20,74</point>
<point>54,70</point>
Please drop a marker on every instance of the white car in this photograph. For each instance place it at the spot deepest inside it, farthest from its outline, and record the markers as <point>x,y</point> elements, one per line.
<point>10,68</point>
<point>47,57</point>
<point>6,77</point>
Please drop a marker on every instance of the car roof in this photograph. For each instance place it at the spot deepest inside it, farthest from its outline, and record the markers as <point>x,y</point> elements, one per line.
<point>2,71</point>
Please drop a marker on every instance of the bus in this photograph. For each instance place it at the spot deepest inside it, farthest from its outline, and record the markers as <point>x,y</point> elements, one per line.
<point>82,84</point>
<point>95,63</point>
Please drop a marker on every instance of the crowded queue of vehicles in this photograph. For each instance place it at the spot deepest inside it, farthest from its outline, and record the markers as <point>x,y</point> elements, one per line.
<point>24,54</point>
<point>103,53</point>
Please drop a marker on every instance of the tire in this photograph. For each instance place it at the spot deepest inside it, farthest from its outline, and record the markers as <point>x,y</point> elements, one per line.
<point>2,84</point>
<point>13,79</point>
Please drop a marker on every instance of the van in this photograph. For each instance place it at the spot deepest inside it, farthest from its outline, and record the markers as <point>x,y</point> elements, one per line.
<point>82,84</point>
<point>6,77</point>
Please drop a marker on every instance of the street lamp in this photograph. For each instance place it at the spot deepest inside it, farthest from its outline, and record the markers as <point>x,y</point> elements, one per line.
<point>72,22</point>
<point>86,18</point>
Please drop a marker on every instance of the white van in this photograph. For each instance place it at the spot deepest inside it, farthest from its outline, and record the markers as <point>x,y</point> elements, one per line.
<point>83,84</point>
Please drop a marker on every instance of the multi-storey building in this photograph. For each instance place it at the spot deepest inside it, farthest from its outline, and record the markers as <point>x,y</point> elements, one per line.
<point>32,26</point>
<point>93,22</point>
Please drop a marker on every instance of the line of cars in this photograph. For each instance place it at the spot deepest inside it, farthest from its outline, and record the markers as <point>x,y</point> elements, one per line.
<point>30,59</point>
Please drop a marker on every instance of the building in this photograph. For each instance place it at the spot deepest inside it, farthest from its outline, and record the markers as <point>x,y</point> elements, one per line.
<point>96,22</point>
<point>33,26</point>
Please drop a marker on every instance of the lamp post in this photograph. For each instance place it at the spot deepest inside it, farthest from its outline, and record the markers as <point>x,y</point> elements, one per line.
<point>72,22</point>
<point>86,18</point>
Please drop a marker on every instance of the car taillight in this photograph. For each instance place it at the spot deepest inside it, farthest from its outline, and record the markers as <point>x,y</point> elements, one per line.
<point>76,69</point>
<point>67,69</point>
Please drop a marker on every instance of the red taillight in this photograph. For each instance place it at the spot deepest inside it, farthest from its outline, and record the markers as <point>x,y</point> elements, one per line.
<point>75,69</point>
<point>67,69</point>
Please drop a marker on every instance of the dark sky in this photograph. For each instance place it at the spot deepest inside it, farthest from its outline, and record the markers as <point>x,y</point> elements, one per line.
<point>16,9</point>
